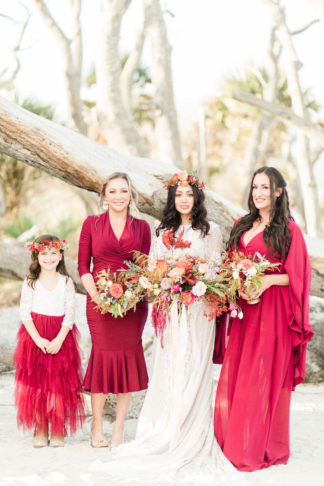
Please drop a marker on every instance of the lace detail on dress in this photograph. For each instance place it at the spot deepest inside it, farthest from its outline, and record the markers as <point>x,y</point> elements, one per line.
<point>26,300</point>
<point>69,304</point>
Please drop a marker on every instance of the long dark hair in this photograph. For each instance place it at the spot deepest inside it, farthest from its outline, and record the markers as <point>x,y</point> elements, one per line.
<point>171,218</point>
<point>35,268</point>
<point>277,233</point>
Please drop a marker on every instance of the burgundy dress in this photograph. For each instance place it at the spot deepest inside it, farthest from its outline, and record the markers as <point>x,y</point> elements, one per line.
<point>264,361</point>
<point>116,363</point>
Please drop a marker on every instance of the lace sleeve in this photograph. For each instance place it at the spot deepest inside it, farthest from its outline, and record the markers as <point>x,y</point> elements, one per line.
<point>214,243</point>
<point>26,301</point>
<point>69,304</point>
<point>153,250</point>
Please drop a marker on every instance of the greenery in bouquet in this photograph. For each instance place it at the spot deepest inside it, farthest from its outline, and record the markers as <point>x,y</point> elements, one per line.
<point>118,294</point>
<point>242,273</point>
<point>184,279</point>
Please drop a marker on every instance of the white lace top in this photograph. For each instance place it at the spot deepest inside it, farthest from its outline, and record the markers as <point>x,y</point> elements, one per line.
<point>207,247</point>
<point>57,302</point>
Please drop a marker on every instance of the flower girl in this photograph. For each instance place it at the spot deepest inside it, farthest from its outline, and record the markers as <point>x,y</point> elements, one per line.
<point>48,393</point>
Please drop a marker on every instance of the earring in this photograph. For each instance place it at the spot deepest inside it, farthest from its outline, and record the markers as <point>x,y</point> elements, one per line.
<point>105,205</point>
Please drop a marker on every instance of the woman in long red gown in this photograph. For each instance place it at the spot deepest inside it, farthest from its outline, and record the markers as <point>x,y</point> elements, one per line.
<point>116,363</point>
<point>266,352</point>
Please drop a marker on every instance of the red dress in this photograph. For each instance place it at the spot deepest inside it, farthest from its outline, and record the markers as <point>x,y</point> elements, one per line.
<point>116,363</point>
<point>264,361</point>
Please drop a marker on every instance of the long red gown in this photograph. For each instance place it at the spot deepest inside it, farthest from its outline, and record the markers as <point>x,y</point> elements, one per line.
<point>116,363</point>
<point>264,361</point>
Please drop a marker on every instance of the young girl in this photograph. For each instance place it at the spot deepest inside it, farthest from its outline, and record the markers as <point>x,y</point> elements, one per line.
<point>48,393</point>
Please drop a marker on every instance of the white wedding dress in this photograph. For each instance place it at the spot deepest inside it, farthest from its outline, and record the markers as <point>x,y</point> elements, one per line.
<point>175,442</point>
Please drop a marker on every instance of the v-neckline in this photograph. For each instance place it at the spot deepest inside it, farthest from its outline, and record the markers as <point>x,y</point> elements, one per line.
<point>246,245</point>
<point>122,233</point>
<point>50,290</point>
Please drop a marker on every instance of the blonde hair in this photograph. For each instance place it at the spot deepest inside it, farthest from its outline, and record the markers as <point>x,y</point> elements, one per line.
<point>132,208</point>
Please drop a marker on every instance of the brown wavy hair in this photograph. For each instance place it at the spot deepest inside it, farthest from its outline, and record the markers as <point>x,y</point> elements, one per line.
<point>171,218</point>
<point>277,233</point>
<point>35,268</point>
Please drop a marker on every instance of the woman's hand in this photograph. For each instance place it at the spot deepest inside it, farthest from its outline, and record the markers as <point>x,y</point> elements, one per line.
<point>42,343</point>
<point>54,346</point>
<point>266,282</point>
<point>96,298</point>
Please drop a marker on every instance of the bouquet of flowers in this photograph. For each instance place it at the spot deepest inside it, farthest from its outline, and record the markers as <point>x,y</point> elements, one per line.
<point>183,278</point>
<point>243,274</point>
<point>117,293</point>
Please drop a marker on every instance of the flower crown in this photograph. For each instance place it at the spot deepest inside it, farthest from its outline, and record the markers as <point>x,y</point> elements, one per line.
<point>56,244</point>
<point>183,179</point>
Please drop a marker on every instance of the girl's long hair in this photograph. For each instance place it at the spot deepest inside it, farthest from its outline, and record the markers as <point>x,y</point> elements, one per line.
<point>171,218</point>
<point>35,268</point>
<point>277,233</point>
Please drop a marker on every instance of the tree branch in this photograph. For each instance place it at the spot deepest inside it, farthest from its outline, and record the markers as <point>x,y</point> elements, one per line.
<point>312,131</point>
<point>303,29</point>
<point>72,61</point>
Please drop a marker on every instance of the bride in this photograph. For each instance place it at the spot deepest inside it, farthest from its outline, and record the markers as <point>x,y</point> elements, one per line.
<point>175,441</point>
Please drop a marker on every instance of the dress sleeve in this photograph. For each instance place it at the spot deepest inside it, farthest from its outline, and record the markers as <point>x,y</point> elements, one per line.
<point>214,243</point>
<point>69,304</point>
<point>146,240</point>
<point>26,301</point>
<point>85,248</point>
<point>298,268</point>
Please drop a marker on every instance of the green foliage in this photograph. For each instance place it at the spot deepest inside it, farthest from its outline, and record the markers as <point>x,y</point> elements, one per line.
<point>20,224</point>
<point>46,111</point>
<point>65,227</point>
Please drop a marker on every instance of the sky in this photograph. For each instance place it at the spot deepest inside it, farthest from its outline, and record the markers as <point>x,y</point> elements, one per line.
<point>211,40</point>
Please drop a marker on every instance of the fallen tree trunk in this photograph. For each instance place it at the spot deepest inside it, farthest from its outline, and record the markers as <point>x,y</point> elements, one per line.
<point>84,163</point>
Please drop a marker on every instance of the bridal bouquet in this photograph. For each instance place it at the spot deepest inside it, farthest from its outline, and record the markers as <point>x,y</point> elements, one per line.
<point>184,279</point>
<point>243,273</point>
<point>117,293</point>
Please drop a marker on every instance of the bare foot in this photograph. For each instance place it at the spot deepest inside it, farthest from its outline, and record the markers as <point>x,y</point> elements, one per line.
<point>117,436</point>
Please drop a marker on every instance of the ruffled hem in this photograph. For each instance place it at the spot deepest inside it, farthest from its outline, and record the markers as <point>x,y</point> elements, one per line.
<point>48,391</point>
<point>115,372</point>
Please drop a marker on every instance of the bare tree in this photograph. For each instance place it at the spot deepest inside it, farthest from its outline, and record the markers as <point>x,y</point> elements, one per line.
<point>72,55</point>
<point>259,140</point>
<point>115,120</point>
<point>303,161</point>
<point>166,123</point>
<point>7,78</point>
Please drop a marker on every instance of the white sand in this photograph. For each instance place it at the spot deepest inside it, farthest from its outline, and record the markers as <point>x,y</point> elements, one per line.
<point>75,464</point>
<point>21,464</point>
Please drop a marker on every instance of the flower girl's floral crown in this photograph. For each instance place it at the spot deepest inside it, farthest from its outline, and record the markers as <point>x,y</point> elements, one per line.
<point>45,245</point>
<point>184,179</point>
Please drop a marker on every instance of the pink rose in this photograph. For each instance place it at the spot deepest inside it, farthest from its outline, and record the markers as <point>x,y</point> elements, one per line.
<point>187,298</point>
<point>175,288</point>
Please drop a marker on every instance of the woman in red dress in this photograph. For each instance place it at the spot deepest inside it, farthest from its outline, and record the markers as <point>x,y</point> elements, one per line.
<point>116,363</point>
<point>266,352</point>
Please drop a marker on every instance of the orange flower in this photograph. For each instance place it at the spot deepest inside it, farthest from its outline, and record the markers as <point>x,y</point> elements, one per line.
<point>185,264</point>
<point>116,290</point>
<point>162,265</point>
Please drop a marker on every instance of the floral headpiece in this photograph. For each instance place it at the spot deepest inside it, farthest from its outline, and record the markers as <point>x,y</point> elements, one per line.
<point>56,244</point>
<point>183,179</point>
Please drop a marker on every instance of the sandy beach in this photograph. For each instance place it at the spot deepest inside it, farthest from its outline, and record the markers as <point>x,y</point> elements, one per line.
<point>79,464</point>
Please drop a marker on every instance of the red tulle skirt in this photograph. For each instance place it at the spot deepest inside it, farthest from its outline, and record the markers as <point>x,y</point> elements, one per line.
<point>48,391</point>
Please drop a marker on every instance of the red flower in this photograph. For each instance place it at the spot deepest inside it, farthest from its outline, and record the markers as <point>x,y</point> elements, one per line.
<point>39,247</point>
<point>46,243</point>
<point>116,290</point>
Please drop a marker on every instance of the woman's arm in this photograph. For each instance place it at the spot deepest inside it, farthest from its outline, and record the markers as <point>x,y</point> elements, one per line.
<point>84,260</point>
<point>267,281</point>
